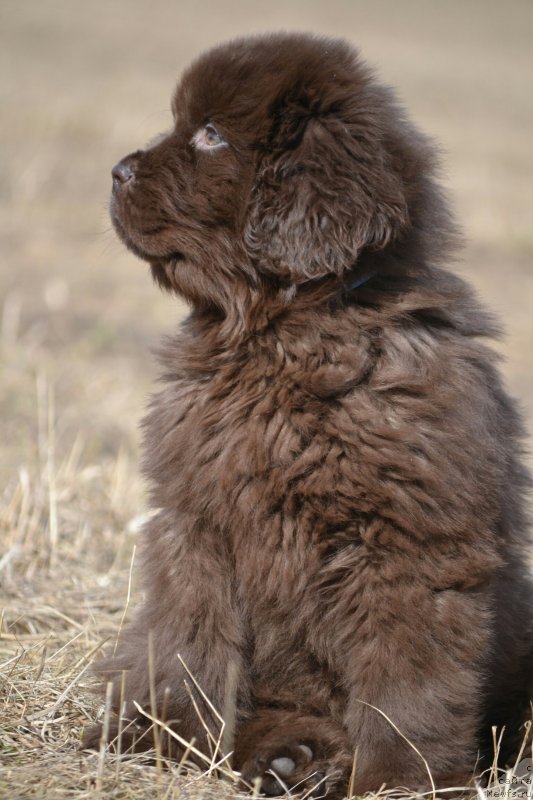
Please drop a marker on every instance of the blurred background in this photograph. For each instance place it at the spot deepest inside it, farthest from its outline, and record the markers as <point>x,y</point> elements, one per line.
<point>82,83</point>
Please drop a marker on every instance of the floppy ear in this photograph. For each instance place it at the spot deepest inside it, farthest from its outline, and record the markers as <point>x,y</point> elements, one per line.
<point>316,205</point>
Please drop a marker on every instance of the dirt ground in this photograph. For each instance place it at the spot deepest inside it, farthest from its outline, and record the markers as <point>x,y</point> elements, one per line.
<point>81,85</point>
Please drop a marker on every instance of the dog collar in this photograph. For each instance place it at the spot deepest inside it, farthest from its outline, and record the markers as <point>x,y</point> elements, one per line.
<point>360,280</point>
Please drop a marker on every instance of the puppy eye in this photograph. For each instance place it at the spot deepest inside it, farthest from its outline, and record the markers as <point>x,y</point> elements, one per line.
<point>208,138</point>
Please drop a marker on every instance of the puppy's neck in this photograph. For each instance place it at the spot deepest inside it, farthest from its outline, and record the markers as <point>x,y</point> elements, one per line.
<point>255,308</point>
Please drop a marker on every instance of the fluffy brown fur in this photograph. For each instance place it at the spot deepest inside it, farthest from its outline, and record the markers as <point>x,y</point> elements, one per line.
<point>334,462</point>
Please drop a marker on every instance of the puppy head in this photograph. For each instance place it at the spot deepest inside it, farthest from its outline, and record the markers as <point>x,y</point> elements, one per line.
<point>285,162</point>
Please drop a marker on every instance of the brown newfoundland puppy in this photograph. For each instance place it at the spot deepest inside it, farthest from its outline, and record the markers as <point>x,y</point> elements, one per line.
<point>335,466</point>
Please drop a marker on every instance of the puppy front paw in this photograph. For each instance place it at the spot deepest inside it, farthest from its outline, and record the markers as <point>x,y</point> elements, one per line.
<point>288,764</point>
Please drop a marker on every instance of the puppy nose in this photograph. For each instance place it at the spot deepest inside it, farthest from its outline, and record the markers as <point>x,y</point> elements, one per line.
<point>122,173</point>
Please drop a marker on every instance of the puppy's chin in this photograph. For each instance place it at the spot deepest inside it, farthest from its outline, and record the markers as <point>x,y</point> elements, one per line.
<point>145,247</point>
<point>166,266</point>
<point>164,271</point>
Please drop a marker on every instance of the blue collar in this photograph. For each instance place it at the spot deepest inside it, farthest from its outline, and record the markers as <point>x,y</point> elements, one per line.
<point>360,280</point>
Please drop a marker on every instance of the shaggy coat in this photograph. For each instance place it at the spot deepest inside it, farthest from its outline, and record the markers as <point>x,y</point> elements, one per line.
<point>334,465</point>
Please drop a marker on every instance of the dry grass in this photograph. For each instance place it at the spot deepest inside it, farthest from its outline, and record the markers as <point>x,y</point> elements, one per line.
<point>63,599</point>
<point>81,84</point>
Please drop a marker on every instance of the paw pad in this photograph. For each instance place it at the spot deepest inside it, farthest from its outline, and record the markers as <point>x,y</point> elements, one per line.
<point>285,766</point>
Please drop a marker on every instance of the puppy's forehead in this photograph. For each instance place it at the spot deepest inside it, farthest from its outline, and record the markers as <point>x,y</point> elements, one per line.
<point>243,78</point>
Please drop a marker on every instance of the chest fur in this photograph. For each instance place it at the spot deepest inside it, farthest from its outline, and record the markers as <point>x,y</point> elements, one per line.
<point>269,437</point>
<point>314,446</point>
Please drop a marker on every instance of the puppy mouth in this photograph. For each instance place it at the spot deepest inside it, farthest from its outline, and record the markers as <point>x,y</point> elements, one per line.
<point>155,256</point>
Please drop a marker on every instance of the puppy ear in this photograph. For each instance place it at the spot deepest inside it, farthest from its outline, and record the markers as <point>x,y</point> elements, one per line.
<point>316,205</point>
